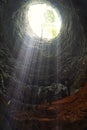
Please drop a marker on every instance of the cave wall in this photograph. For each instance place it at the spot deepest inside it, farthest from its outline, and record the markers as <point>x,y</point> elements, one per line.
<point>64,59</point>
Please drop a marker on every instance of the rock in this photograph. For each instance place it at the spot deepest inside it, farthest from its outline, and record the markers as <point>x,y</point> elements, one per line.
<point>65,114</point>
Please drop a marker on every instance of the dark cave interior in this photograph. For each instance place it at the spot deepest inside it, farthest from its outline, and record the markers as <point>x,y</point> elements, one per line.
<point>43,83</point>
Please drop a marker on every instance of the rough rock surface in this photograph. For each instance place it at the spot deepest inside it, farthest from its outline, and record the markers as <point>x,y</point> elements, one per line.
<point>65,59</point>
<point>69,113</point>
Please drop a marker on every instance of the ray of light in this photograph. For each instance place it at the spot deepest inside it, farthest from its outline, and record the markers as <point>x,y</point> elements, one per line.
<point>31,59</point>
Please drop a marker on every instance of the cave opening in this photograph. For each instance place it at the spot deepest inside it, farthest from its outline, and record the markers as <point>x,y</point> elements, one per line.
<point>43,38</point>
<point>43,59</point>
<point>44,20</point>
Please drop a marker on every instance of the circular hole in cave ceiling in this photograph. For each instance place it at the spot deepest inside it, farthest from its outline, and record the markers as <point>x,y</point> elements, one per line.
<point>64,58</point>
<point>44,21</point>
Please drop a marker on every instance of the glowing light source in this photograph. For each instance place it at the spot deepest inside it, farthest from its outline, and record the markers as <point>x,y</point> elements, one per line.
<point>44,21</point>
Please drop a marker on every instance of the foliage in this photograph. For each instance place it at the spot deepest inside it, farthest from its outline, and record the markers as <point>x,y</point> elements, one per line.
<point>49,16</point>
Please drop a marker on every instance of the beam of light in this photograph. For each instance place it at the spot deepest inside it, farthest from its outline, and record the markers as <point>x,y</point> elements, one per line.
<point>28,57</point>
<point>44,21</point>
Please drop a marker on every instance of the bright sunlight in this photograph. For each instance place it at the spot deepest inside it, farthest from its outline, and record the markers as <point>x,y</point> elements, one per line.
<point>44,20</point>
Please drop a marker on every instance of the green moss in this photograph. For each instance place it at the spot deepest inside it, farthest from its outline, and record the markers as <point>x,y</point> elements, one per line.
<point>54,32</point>
<point>49,16</point>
